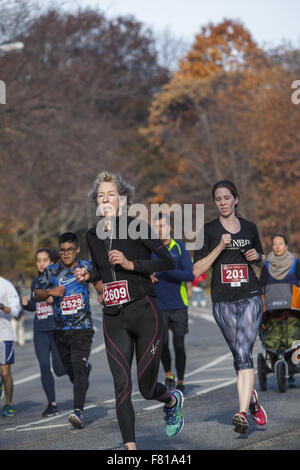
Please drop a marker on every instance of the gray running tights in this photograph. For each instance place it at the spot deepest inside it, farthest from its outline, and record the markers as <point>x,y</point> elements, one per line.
<point>239,323</point>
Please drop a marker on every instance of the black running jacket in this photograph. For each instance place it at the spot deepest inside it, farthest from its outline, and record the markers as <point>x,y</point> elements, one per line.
<point>136,250</point>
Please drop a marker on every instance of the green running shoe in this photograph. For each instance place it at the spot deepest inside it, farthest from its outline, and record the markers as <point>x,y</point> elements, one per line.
<point>174,419</point>
<point>8,410</point>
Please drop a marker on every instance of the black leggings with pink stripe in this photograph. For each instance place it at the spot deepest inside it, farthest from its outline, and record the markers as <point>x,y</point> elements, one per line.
<point>138,326</point>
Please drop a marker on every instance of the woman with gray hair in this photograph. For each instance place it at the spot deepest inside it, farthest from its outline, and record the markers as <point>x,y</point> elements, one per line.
<point>120,248</point>
<point>125,190</point>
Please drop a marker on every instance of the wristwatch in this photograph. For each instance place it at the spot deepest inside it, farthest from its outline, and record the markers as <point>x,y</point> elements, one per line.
<point>259,258</point>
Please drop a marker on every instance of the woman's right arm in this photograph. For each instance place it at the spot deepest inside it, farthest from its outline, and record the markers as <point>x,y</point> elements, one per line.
<point>205,263</point>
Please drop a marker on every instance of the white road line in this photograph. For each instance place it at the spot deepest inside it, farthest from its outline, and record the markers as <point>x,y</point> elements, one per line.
<point>96,350</point>
<point>217,369</point>
<point>211,389</point>
<point>27,379</point>
<point>46,420</point>
<point>99,348</point>
<point>194,382</point>
<point>209,364</point>
<point>201,392</point>
<point>113,400</point>
<point>199,369</point>
<point>43,427</point>
<point>205,315</point>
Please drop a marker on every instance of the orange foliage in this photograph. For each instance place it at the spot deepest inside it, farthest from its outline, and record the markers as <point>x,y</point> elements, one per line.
<point>226,46</point>
<point>227,113</point>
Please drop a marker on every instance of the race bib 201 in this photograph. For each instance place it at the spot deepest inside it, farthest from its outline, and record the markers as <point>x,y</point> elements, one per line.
<point>234,274</point>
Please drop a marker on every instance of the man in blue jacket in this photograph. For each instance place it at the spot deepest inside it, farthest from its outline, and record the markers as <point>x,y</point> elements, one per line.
<point>171,292</point>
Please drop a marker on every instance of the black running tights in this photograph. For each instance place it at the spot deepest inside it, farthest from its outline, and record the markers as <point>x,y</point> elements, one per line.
<point>74,349</point>
<point>180,356</point>
<point>139,325</point>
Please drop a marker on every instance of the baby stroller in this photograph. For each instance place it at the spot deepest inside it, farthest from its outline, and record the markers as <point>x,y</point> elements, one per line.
<point>280,335</point>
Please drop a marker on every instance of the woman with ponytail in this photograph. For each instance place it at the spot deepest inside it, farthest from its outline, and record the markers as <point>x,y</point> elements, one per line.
<point>43,328</point>
<point>231,246</point>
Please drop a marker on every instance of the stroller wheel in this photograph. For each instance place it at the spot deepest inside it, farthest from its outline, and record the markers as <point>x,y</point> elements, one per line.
<point>262,372</point>
<point>281,376</point>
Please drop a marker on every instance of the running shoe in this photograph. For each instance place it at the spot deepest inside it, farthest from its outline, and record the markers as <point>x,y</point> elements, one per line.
<point>256,410</point>
<point>173,416</point>
<point>51,410</point>
<point>76,419</point>
<point>8,410</point>
<point>240,421</point>
<point>170,382</point>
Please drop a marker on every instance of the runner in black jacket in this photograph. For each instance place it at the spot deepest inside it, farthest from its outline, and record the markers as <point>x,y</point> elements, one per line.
<point>131,318</point>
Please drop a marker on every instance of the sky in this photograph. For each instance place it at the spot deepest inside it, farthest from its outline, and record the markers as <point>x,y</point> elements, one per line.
<point>269,21</point>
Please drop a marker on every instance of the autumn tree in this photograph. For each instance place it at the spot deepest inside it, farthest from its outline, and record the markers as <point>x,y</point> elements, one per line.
<point>227,113</point>
<point>75,96</point>
<point>225,47</point>
<point>277,156</point>
<point>199,122</point>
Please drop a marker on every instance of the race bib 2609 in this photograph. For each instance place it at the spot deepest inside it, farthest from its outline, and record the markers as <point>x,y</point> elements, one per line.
<point>115,293</point>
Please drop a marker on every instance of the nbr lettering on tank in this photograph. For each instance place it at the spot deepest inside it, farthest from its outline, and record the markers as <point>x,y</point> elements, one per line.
<point>240,243</point>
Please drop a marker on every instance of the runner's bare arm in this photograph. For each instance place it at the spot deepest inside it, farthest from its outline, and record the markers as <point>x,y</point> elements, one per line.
<point>254,255</point>
<point>43,294</point>
<point>204,264</point>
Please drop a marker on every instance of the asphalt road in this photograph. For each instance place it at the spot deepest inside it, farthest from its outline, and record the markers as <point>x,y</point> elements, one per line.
<point>210,402</point>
